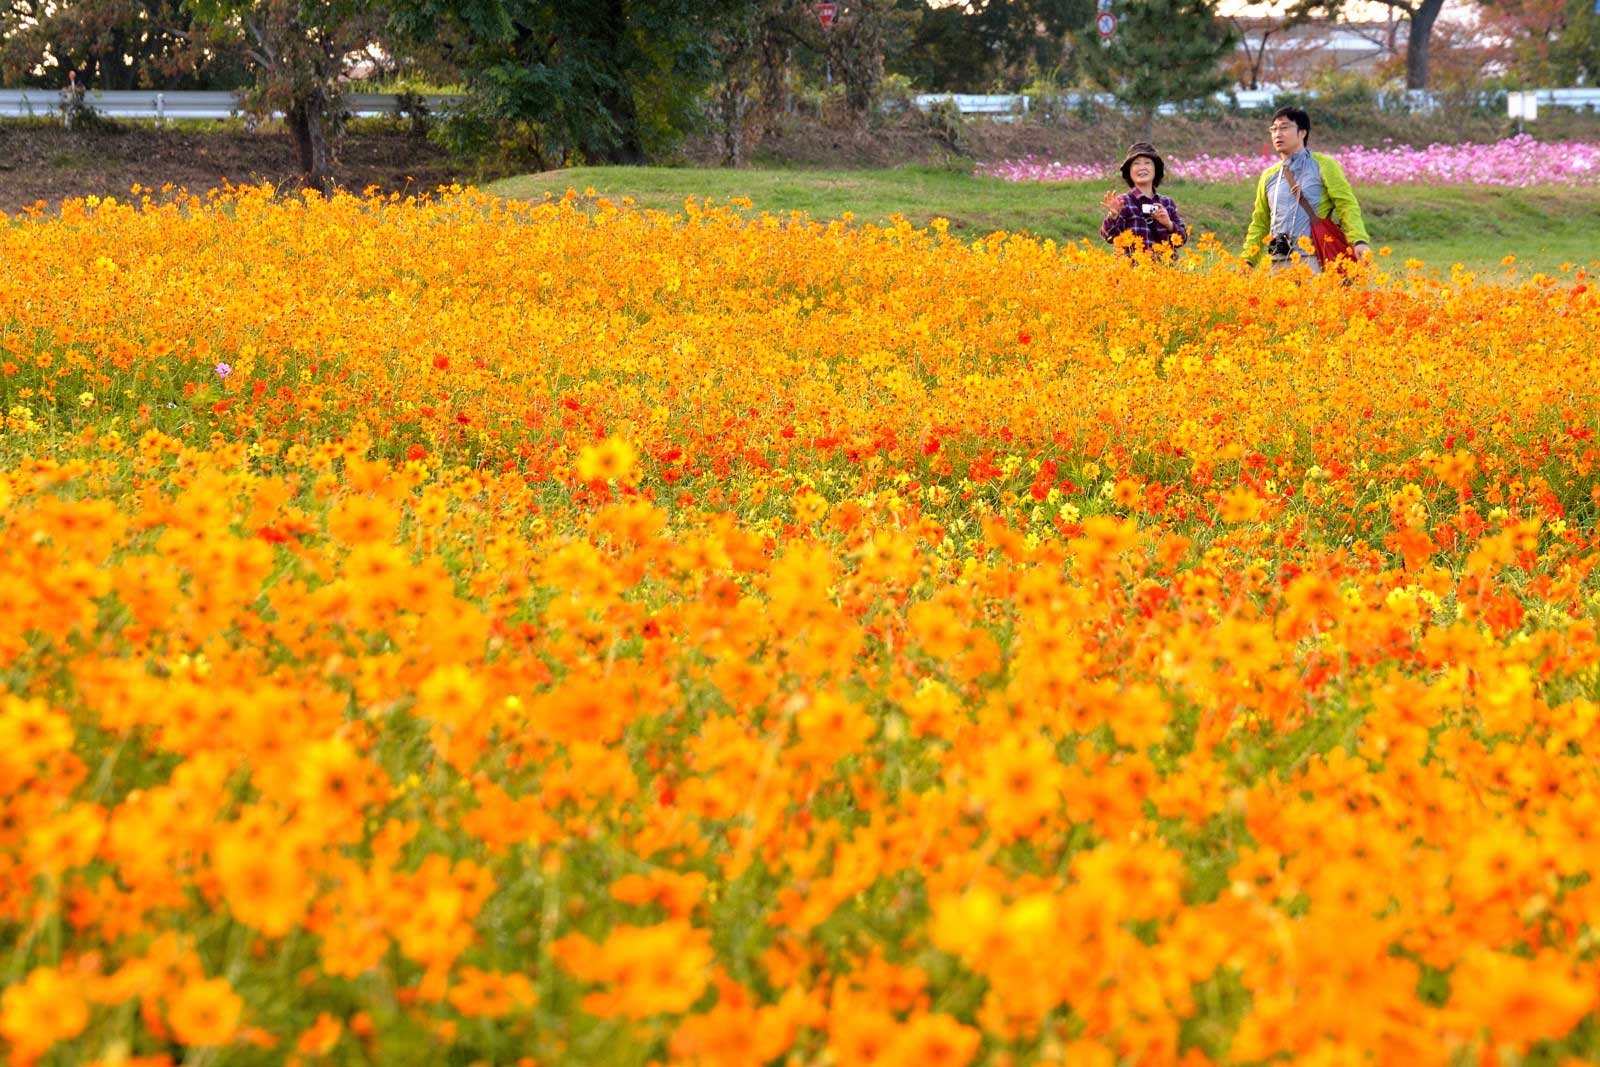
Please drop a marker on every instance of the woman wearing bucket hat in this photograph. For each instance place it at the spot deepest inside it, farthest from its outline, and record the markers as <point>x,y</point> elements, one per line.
<point>1149,216</point>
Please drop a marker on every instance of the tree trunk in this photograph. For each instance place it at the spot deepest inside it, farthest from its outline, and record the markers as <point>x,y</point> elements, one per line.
<point>124,71</point>
<point>772,78</point>
<point>617,100</point>
<point>308,122</point>
<point>1417,38</point>
<point>861,69</point>
<point>732,107</point>
<point>1258,61</point>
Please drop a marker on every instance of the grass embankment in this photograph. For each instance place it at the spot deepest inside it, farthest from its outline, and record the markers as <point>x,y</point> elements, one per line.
<point>1440,225</point>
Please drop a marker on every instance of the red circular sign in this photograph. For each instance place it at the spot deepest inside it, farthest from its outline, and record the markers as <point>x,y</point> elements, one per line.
<point>1106,23</point>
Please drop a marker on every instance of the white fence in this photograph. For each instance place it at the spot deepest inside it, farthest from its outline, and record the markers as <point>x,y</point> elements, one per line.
<point>161,106</point>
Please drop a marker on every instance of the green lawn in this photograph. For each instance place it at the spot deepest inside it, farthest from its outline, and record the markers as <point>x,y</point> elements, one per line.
<point>1439,225</point>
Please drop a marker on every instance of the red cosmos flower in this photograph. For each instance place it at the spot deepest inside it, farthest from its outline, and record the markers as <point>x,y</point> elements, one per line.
<point>416,452</point>
<point>442,362</point>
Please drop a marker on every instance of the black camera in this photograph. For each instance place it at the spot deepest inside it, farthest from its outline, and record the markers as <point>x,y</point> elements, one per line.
<point>1279,245</point>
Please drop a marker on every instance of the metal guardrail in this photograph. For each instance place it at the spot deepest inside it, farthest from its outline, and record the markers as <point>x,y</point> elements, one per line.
<point>161,106</point>
<point>1255,99</point>
<point>976,104</point>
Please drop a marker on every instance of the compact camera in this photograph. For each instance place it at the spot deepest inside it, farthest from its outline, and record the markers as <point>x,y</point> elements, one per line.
<point>1279,245</point>
<point>1149,209</point>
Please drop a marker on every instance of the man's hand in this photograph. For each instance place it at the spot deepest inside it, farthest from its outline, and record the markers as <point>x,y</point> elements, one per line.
<point>1362,250</point>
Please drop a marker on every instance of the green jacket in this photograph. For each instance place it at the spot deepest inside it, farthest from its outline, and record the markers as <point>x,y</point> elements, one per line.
<point>1338,200</point>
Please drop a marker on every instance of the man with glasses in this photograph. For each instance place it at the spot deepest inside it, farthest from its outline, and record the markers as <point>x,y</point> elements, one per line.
<point>1280,218</point>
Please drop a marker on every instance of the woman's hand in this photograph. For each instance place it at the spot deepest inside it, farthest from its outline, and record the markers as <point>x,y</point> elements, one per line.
<point>1161,216</point>
<point>1112,202</point>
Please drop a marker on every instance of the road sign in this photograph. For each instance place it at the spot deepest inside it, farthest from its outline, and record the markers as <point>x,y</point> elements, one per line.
<point>1106,23</point>
<point>825,14</point>
<point>1105,5</point>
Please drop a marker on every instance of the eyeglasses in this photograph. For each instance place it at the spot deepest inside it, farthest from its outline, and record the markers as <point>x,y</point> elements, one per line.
<point>1282,127</point>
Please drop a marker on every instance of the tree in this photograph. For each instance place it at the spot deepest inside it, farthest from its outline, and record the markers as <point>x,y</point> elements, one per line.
<point>854,47</point>
<point>1421,15</point>
<point>610,81</point>
<point>976,45</point>
<point>955,48</point>
<point>1547,41</point>
<point>739,44</point>
<point>1256,34</point>
<point>297,50</point>
<point>108,44</point>
<point>1163,52</point>
<point>1575,56</point>
<point>288,56</point>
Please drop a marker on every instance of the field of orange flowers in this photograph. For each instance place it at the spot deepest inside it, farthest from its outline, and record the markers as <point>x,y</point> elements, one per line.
<point>474,632</point>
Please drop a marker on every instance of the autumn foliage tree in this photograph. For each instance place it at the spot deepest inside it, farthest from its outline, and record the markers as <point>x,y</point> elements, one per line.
<point>107,44</point>
<point>1421,17</point>
<point>1548,42</point>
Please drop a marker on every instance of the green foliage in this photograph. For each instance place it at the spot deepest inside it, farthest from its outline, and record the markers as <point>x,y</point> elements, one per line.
<point>989,44</point>
<point>613,80</point>
<point>1337,100</point>
<point>1164,52</point>
<point>1575,54</point>
<point>945,121</point>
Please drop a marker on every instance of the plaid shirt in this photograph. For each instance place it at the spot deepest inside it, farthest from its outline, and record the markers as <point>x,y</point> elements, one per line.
<point>1132,217</point>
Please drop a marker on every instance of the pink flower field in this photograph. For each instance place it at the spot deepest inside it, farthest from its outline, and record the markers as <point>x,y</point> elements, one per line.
<point>1516,161</point>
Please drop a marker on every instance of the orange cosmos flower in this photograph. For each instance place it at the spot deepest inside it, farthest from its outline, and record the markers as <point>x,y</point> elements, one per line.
<point>205,1013</point>
<point>265,887</point>
<point>44,1008</point>
<point>320,1037</point>
<point>1518,1001</point>
<point>1019,783</point>
<point>934,1041</point>
<point>487,995</point>
<point>610,460</point>
<point>648,970</point>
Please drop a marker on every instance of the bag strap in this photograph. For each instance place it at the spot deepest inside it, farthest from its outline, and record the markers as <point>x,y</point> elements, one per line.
<point>1287,172</point>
